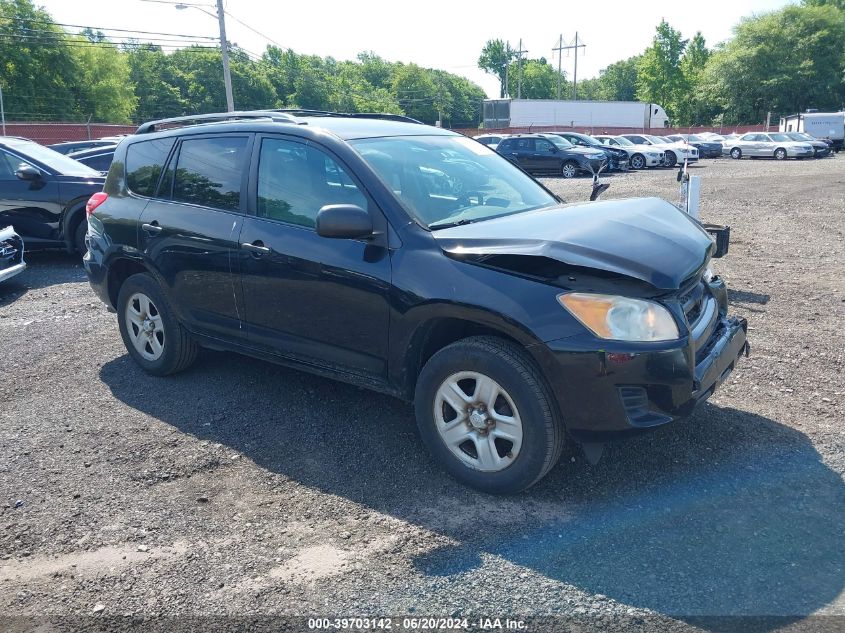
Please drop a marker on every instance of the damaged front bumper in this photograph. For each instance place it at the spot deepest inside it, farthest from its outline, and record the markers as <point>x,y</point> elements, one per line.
<point>625,388</point>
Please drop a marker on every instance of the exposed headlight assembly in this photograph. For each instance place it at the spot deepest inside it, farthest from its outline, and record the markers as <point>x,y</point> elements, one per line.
<point>621,318</point>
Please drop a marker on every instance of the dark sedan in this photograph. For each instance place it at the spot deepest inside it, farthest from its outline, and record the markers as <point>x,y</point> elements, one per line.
<point>706,148</point>
<point>43,194</point>
<point>541,154</point>
<point>97,158</point>
<point>820,148</point>
<point>617,159</point>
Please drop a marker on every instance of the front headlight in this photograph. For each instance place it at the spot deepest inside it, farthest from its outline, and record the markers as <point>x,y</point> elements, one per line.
<point>621,318</point>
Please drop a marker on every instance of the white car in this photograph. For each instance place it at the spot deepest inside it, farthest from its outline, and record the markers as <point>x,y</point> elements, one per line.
<point>767,145</point>
<point>490,140</point>
<point>673,152</point>
<point>11,253</point>
<point>639,156</point>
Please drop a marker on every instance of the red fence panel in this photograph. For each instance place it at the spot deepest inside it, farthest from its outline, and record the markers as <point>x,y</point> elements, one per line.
<point>47,133</point>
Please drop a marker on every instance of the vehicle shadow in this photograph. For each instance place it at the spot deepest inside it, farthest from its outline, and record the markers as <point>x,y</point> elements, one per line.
<point>742,296</point>
<point>43,269</point>
<point>727,514</point>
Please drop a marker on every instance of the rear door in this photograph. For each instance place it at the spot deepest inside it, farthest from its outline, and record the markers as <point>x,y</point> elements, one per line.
<point>190,230</point>
<point>314,299</point>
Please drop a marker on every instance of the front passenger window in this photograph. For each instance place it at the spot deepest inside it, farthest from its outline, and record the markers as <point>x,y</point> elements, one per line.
<point>295,181</point>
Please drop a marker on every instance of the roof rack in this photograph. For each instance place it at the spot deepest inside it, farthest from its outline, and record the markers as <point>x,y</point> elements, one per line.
<point>194,119</point>
<point>350,115</point>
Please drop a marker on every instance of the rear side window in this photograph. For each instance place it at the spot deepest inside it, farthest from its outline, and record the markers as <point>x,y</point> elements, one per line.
<point>100,163</point>
<point>144,162</point>
<point>296,180</point>
<point>209,172</point>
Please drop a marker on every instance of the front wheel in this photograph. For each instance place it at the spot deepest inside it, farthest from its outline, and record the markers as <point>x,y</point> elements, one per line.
<point>569,169</point>
<point>486,415</point>
<point>637,161</point>
<point>736,153</point>
<point>780,154</point>
<point>150,330</point>
<point>669,159</point>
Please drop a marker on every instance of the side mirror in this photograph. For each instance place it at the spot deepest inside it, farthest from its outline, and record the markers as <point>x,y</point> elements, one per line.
<point>28,172</point>
<point>344,221</point>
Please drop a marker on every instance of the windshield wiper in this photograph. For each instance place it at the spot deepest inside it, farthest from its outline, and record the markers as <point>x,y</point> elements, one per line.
<point>446,225</point>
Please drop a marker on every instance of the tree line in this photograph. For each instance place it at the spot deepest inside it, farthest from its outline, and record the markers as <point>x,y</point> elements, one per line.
<point>780,62</point>
<point>49,74</point>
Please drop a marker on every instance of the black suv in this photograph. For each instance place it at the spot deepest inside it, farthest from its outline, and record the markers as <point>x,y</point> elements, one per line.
<point>414,261</point>
<point>541,154</point>
<point>617,159</point>
<point>43,194</point>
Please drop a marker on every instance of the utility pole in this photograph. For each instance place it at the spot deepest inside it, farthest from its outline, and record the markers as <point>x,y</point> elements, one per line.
<point>224,49</point>
<point>2,110</point>
<point>507,91</point>
<point>559,50</point>
<point>519,68</point>
<point>575,74</point>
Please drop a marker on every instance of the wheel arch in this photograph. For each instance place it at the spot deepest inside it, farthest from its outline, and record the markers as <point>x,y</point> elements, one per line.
<point>74,213</point>
<point>119,270</point>
<point>436,332</point>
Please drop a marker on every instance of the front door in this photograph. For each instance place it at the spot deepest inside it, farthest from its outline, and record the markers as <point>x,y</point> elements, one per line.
<point>31,206</point>
<point>190,231</point>
<point>545,156</point>
<point>314,299</point>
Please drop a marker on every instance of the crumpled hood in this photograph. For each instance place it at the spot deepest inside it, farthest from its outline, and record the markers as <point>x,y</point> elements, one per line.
<point>644,238</point>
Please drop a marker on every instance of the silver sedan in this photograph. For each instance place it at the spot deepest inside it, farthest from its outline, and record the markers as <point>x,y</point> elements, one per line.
<point>772,145</point>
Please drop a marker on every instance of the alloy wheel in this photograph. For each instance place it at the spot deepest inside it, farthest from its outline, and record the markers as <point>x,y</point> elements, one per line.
<point>637,162</point>
<point>569,170</point>
<point>478,421</point>
<point>145,326</point>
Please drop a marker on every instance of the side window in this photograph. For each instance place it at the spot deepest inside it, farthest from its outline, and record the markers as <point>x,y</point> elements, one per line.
<point>8,166</point>
<point>543,145</point>
<point>144,162</point>
<point>100,162</point>
<point>525,145</point>
<point>295,181</point>
<point>209,172</point>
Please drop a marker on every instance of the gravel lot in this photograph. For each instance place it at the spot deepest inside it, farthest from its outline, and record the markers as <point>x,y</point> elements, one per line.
<point>241,488</point>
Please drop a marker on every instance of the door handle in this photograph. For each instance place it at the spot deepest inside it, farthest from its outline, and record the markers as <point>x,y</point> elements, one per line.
<point>257,248</point>
<point>152,228</point>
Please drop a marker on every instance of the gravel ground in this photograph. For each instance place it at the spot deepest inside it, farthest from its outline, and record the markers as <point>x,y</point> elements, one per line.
<point>240,488</point>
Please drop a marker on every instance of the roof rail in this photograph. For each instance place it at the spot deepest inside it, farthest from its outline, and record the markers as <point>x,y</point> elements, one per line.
<point>351,115</point>
<point>194,119</point>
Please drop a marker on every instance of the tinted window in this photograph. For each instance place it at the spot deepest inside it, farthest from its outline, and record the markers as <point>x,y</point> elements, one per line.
<point>543,146</point>
<point>100,162</point>
<point>295,181</point>
<point>209,172</point>
<point>144,162</point>
<point>8,166</point>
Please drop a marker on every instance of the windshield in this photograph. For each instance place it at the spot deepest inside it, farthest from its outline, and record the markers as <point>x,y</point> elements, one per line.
<point>447,180</point>
<point>696,138</point>
<point>59,163</point>
<point>799,136</point>
<point>560,142</point>
<point>780,138</point>
<point>623,141</point>
<point>655,139</point>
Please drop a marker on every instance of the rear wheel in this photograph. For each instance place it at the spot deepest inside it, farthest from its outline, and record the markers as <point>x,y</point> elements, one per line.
<point>485,414</point>
<point>569,169</point>
<point>736,153</point>
<point>780,154</point>
<point>150,330</point>
<point>637,161</point>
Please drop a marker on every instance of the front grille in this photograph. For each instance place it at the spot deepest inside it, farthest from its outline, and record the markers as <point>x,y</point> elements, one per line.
<point>692,303</point>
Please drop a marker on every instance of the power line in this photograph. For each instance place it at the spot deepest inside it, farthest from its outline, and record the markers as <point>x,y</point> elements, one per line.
<point>101,28</point>
<point>242,23</point>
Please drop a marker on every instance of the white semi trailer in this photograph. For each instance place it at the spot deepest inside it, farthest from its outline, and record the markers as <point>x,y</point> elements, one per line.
<point>817,124</point>
<point>592,115</point>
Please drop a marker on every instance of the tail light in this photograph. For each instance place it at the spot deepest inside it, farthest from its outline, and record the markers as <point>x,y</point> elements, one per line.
<point>95,201</point>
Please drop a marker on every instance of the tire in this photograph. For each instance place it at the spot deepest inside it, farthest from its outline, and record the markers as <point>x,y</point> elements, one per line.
<point>569,169</point>
<point>780,154</point>
<point>478,456</point>
<point>173,349</point>
<point>637,161</point>
<point>736,153</point>
<point>79,237</point>
<point>669,159</point>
